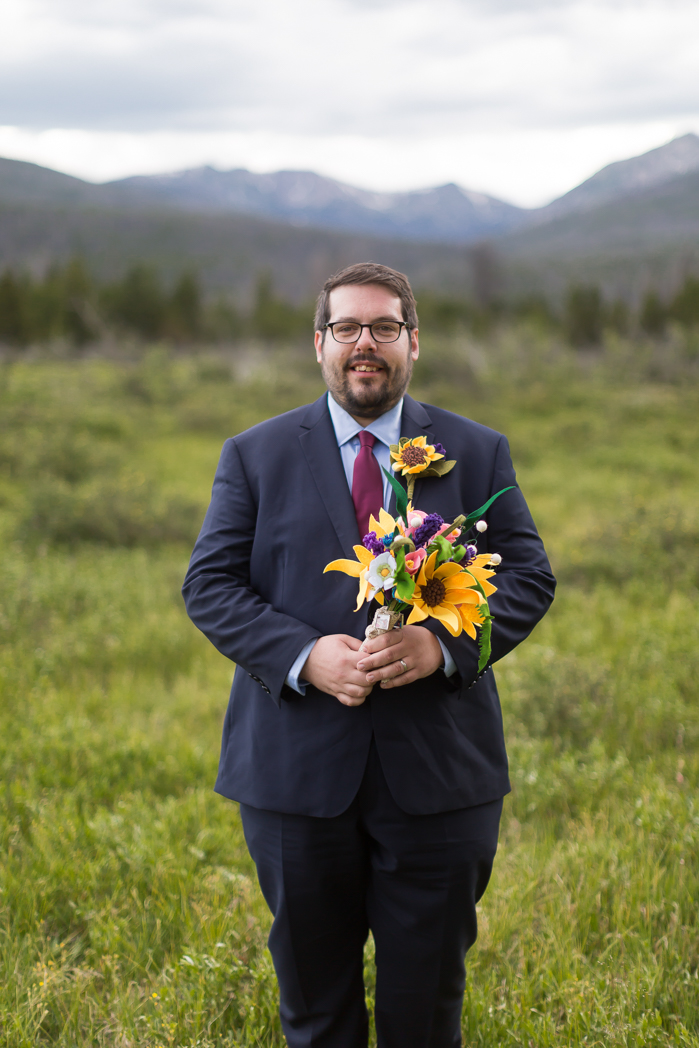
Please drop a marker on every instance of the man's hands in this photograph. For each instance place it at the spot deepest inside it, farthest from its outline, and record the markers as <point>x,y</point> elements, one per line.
<point>332,667</point>
<point>380,657</point>
<point>344,667</point>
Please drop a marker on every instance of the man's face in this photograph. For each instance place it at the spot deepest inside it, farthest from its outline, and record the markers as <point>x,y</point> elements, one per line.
<point>366,377</point>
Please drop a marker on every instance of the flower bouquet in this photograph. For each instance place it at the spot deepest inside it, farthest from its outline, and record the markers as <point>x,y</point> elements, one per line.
<point>415,563</point>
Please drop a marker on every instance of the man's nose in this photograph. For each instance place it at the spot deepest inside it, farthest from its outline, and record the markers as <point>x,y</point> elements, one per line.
<point>366,340</point>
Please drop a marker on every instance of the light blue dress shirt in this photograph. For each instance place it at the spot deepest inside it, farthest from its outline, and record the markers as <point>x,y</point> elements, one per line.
<point>386,429</point>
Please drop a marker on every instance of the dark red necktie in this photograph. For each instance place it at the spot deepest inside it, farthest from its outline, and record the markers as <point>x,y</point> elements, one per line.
<point>367,485</point>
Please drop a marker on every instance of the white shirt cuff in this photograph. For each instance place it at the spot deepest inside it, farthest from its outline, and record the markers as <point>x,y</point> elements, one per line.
<point>292,677</point>
<point>449,666</point>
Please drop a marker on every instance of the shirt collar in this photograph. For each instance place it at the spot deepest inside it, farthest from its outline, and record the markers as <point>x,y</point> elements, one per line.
<point>385,428</point>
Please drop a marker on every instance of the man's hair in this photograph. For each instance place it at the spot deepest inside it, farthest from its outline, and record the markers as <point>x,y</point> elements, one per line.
<point>368,273</point>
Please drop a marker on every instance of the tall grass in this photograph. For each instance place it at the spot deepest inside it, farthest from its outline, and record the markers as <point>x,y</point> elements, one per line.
<point>129,913</point>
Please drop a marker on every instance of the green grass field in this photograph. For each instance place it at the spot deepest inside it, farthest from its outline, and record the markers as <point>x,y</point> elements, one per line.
<point>129,912</point>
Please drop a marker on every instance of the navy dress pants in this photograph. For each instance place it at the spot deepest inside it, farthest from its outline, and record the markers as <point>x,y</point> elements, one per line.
<point>413,880</point>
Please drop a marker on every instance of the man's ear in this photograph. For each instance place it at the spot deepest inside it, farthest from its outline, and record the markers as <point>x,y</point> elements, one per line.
<point>414,344</point>
<point>318,341</point>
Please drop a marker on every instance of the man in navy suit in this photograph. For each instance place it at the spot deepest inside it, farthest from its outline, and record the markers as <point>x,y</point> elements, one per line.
<point>370,774</point>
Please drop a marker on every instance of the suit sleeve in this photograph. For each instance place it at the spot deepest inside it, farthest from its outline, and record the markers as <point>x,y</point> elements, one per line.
<point>525,583</point>
<point>217,591</point>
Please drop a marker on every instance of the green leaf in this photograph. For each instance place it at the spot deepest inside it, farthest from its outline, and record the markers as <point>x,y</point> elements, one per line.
<point>405,585</point>
<point>439,468</point>
<point>484,643</point>
<point>405,588</point>
<point>445,549</point>
<point>459,552</point>
<point>401,496</point>
<point>478,513</point>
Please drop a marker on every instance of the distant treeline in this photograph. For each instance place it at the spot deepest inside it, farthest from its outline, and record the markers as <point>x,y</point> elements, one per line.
<point>68,303</point>
<point>582,319</point>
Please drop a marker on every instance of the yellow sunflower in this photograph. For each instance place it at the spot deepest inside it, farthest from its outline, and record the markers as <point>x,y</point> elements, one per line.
<point>482,574</point>
<point>438,593</point>
<point>470,618</point>
<point>414,456</point>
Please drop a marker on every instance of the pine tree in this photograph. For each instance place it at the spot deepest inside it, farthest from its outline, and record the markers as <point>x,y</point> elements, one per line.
<point>653,315</point>
<point>137,302</point>
<point>14,313</point>
<point>184,310</point>
<point>685,305</point>
<point>583,316</point>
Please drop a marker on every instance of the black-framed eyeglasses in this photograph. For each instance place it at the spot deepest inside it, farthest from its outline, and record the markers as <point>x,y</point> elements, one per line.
<point>381,330</point>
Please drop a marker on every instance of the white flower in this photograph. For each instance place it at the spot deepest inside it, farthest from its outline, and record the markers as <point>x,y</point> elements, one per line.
<point>496,559</point>
<point>381,573</point>
<point>481,526</point>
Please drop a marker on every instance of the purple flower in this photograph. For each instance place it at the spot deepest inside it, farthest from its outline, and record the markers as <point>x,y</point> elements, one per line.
<point>429,527</point>
<point>471,554</point>
<point>373,544</point>
<point>440,449</point>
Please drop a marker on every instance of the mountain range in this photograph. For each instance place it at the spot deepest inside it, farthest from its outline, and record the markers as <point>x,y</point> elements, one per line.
<point>446,213</point>
<point>631,215</point>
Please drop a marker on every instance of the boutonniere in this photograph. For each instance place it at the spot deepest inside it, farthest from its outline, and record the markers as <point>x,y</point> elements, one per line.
<point>413,457</point>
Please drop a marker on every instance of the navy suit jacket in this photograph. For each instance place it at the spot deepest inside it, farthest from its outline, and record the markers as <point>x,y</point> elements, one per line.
<point>280,511</point>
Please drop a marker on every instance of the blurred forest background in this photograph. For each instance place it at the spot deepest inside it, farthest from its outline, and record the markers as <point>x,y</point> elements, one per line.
<point>129,911</point>
<point>68,305</point>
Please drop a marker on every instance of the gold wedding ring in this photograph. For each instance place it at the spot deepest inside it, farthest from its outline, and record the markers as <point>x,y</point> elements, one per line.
<point>403,664</point>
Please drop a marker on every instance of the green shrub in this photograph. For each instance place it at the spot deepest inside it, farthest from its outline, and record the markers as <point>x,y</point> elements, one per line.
<point>61,452</point>
<point>622,549</point>
<point>128,511</point>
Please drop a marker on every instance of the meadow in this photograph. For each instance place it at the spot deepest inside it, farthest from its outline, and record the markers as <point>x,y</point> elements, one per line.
<point>129,911</point>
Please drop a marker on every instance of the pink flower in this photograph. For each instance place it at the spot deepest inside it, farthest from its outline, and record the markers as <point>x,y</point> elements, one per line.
<point>414,560</point>
<point>452,534</point>
<point>416,517</point>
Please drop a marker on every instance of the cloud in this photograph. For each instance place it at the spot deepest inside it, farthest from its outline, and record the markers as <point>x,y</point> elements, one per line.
<point>426,67</point>
<point>517,97</point>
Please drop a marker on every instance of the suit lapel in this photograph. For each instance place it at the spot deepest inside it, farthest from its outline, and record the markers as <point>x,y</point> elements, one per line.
<point>415,422</point>
<point>319,445</point>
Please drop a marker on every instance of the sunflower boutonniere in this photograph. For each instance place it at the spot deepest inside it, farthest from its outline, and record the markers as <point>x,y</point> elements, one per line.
<point>414,457</point>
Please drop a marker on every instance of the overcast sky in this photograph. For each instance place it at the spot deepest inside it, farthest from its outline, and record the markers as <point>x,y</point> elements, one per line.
<point>522,99</point>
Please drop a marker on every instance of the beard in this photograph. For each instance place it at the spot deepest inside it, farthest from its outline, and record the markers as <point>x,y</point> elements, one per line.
<point>370,400</point>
